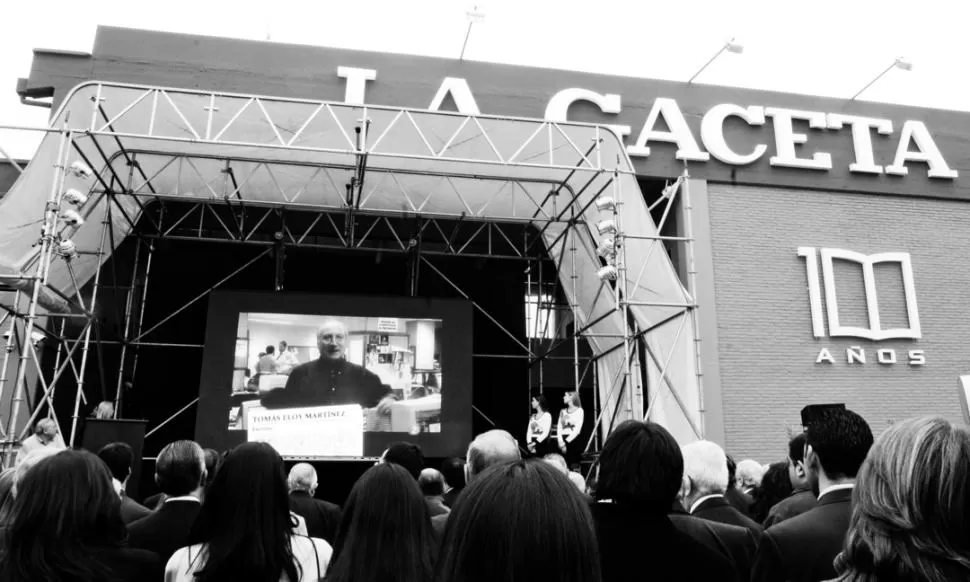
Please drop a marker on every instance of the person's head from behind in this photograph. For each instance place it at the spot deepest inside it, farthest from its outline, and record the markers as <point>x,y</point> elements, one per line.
<point>65,501</point>
<point>641,467</point>
<point>385,532</point>
<point>180,469</point>
<point>749,474</point>
<point>302,478</point>
<point>247,507</point>
<point>45,430</point>
<point>118,458</point>
<point>796,462</point>
<point>519,522</point>
<point>406,455</point>
<point>557,461</point>
<point>270,350</point>
<point>836,444</point>
<point>104,410</point>
<point>539,403</point>
<point>331,338</point>
<point>490,448</point>
<point>212,461</point>
<point>911,506</point>
<point>432,483</point>
<point>775,486</point>
<point>705,471</point>
<point>571,398</point>
<point>453,470</point>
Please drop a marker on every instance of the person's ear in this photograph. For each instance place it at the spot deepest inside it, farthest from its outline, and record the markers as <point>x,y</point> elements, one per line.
<point>468,473</point>
<point>800,469</point>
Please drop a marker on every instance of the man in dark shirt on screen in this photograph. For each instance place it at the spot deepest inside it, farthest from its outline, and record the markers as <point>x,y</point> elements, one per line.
<point>331,380</point>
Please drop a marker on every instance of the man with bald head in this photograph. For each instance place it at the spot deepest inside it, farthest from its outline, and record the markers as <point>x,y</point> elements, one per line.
<point>491,448</point>
<point>331,380</point>
<point>322,518</point>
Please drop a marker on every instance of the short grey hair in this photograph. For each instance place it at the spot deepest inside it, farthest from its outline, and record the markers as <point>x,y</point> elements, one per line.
<point>491,448</point>
<point>705,464</point>
<point>302,477</point>
<point>45,425</point>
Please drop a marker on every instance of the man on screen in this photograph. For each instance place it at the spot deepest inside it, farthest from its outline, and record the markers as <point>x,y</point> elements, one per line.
<point>331,380</point>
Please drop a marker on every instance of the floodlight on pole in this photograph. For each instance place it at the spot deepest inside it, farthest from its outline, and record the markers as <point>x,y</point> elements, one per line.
<point>475,15</point>
<point>900,63</point>
<point>731,46</point>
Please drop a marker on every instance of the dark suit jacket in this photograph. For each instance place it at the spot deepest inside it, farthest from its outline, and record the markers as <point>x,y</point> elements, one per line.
<point>322,517</point>
<point>719,510</point>
<point>736,543</point>
<point>131,510</point>
<point>796,504</point>
<point>802,549</point>
<point>436,507</point>
<point>739,500</point>
<point>166,529</point>
<point>127,565</point>
<point>450,497</point>
<point>639,546</point>
<point>326,382</point>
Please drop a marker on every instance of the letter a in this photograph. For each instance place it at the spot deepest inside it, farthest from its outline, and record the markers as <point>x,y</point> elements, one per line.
<point>824,355</point>
<point>460,93</point>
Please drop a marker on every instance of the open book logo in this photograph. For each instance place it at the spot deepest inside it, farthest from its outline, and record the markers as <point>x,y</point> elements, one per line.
<point>875,331</point>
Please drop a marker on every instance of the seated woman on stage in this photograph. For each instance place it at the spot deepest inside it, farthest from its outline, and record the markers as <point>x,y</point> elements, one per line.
<point>570,425</point>
<point>540,423</point>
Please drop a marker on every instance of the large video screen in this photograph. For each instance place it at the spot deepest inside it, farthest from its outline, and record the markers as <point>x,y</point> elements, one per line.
<point>337,377</point>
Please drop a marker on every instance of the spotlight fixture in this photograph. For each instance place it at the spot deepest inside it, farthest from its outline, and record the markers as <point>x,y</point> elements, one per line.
<point>37,338</point>
<point>76,197</point>
<point>605,204</point>
<point>606,248</point>
<point>6,336</point>
<point>66,248</point>
<point>81,170</point>
<point>607,273</point>
<point>606,227</point>
<point>72,217</point>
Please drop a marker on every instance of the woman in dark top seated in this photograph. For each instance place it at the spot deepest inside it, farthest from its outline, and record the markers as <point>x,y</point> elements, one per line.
<point>67,526</point>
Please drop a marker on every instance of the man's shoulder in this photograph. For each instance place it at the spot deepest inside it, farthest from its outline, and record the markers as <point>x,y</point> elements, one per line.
<point>797,526</point>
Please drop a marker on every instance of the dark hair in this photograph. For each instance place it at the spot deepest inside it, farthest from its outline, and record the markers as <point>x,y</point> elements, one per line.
<point>385,532</point>
<point>178,468</point>
<point>542,402</point>
<point>212,461</point>
<point>732,472</point>
<point>640,466</point>
<point>775,486</point>
<point>796,448</point>
<point>270,350</point>
<point>841,439</point>
<point>118,457</point>
<point>453,470</point>
<point>245,519</point>
<point>66,506</point>
<point>520,522</point>
<point>406,455</point>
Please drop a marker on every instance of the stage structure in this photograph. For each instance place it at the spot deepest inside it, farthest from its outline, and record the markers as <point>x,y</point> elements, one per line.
<point>116,157</point>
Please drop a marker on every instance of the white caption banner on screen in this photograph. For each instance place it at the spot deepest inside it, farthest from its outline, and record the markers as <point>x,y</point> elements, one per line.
<point>320,431</point>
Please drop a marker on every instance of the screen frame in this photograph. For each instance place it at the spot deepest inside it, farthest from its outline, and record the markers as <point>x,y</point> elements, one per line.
<point>211,427</point>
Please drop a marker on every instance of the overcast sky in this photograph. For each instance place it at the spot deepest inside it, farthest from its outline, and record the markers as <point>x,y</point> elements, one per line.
<point>823,47</point>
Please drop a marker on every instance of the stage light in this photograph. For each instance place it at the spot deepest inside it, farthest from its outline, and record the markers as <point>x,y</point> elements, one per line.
<point>732,46</point>
<point>66,248</point>
<point>606,248</point>
<point>76,197</point>
<point>607,273</point>
<point>37,338</point>
<point>606,227</point>
<point>81,170</point>
<point>605,203</point>
<point>902,64</point>
<point>72,217</point>
<point>6,336</point>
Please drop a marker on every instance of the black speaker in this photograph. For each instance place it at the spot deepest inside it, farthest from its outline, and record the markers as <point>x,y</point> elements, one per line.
<point>813,411</point>
<point>100,432</point>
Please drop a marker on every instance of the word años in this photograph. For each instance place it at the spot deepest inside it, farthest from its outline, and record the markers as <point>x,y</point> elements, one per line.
<point>856,355</point>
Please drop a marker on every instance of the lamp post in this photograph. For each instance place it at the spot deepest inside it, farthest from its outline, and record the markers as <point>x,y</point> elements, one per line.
<point>474,15</point>
<point>730,46</point>
<point>900,63</point>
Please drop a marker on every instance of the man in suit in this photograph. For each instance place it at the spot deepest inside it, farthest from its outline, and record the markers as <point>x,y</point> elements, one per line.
<point>180,474</point>
<point>734,495</point>
<point>801,499</point>
<point>118,457</point>
<point>706,481</point>
<point>736,543</point>
<point>453,470</point>
<point>803,548</point>
<point>322,517</point>
<point>489,448</point>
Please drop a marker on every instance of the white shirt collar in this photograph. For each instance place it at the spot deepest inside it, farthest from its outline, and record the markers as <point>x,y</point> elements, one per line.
<point>832,488</point>
<point>119,488</point>
<point>703,499</point>
<point>183,498</point>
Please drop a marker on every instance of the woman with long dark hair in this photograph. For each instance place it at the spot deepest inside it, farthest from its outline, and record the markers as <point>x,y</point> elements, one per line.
<point>519,522</point>
<point>67,525</point>
<point>540,425</point>
<point>911,507</point>
<point>775,487</point>
<point>385,534</point>
<point>244,530</point>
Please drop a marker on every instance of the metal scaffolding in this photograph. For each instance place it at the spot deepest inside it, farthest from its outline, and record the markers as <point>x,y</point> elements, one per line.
<point>272,173</point>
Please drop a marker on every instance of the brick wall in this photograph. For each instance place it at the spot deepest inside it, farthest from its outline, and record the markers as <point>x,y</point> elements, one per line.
<point>767,349</point>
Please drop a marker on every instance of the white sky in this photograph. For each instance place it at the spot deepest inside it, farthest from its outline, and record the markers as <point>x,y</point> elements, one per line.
<point>822,47</point>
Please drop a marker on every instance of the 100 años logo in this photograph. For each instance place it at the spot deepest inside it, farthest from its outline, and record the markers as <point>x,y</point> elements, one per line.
<point>875,331</point>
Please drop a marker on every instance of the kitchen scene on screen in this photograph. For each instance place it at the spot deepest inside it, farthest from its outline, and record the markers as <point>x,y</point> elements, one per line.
<point>390,366</point>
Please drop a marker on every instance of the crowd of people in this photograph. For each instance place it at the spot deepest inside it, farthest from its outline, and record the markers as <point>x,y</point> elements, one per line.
<point>844,506</point>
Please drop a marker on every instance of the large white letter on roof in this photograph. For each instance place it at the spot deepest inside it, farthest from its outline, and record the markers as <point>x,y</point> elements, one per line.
<point>926,151</point>
<point>712,132</point>
<point>461,94</point>
<point>356,86</point>
<point>786,139</point>
<point>679,133</point>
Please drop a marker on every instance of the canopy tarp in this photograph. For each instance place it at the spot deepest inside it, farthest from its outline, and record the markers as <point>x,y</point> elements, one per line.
<point>155,142</point>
